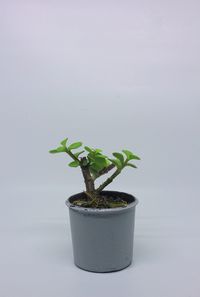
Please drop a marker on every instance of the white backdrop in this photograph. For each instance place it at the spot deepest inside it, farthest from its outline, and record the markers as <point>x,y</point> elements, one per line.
<point>113,74</point>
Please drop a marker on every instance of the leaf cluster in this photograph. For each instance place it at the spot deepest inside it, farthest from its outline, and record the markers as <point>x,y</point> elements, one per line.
<point>123,159</point>
<point>94,159</point>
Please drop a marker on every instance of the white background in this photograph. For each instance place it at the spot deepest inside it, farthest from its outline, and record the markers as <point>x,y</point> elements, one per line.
<point>113,74</point>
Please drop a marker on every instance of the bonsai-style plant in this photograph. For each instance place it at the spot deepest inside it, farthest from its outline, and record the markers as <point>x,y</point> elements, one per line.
<point>93,164</point>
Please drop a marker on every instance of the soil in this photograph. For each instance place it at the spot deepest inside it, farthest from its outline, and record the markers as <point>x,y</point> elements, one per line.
<point>103,201</point>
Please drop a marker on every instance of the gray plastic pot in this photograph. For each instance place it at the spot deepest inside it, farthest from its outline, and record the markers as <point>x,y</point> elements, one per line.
<point>102,238</point>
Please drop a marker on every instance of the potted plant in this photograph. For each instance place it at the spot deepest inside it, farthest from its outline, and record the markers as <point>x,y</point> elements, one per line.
<point>102,222</point>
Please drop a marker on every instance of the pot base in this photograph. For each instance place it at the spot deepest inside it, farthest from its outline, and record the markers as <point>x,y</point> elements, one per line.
<point>106,271</point>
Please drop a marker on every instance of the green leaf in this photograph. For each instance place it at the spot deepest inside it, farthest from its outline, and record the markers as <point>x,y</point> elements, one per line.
<point>97,162</point>
<point>131,165</point>
<point>107,162</point>
<point>75,145</point>
<point>90,157</point>
<point>88,149</point>
<point>64,141</point>
<point>74,164</point>
<point>94,172</point>
<point>59,149</point>
<point>116,162</point>
<point>101,161</point>
<point>78,154</point>
<point>130,155</point>
<point>94,167</point>
<point>119,156</point>
<point>101,155</point>
<point>134,157</point>
<point>53,151</point>
<point>98,151</point>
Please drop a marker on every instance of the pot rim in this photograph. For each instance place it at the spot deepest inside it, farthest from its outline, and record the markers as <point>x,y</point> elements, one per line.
<point>100,211</point>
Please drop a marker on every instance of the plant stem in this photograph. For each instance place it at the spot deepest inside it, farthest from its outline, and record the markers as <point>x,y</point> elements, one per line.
<point>72,155</point>
<point>108,181</point>
<point>105,170</point>
<point>89,182</point>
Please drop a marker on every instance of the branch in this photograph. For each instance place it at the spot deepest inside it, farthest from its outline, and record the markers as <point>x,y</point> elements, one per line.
<point>72,155</point>
<point>105,170</point>
<point>89,182</point>
<point>109,180</point>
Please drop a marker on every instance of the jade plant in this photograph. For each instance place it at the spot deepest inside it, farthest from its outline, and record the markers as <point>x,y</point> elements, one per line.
<point>93,164</point>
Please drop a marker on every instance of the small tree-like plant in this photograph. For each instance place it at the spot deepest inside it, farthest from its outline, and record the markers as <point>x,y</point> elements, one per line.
<point>93,164</point>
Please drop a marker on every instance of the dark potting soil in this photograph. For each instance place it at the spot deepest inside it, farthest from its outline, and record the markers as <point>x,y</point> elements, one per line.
<point>103,201</point>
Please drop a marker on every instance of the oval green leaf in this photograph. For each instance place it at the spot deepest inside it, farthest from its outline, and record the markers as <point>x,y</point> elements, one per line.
<point>74,164</point>
<point>53,151</point>
<point>75,145</point>
<point>116,162</point>
<point>78,154</point>
<point>130,155</point>
<point>59,149</point>
<point>88,149</point>
<point>98,162</point>
<point>119,156</point>
<point>131,165</point>
<point>98,151</point>
<point>63,142</point>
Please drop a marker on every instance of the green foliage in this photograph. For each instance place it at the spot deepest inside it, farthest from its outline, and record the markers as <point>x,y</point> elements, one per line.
<point>94,157</point>
<point>117,163</point>
<point>131,165</point>
<point>53,151</point>
<point>130,155</point>
<point>120,157</point>
<point>59,149</point>
<point>98,151</point>
<point>74,164</point>
<point>78,154</point>
<point>63,142</point>
<point>88,149</point>
<point>95,162</point>
<point>75,145</point>
<point>120,162</point>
